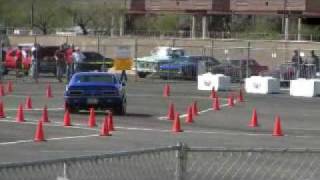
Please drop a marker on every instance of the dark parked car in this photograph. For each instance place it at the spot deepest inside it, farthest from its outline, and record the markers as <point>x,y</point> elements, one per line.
<point>187,67</point>
<point>94,61</point>
<point>46,59</point>
<point>99,90</point>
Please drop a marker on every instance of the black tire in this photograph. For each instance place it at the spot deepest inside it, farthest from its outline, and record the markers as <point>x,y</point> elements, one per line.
<point>142,75</point>
<point>164,77</point>
<point>72,110</point>
<point>122,108</point>
<point>5,71</point>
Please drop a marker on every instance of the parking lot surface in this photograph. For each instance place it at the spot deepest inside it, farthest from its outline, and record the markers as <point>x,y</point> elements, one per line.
<point>145,124</point>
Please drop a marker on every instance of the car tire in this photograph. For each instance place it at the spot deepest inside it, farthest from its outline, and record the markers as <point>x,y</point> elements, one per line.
<point>142,75</point>
<point>164,77</point>
<point>122,108</point>
<point>5,71</point>
<point>72,110</point>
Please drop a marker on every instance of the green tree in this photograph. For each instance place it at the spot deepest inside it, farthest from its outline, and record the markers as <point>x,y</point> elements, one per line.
<point>82,14</point>
<point>48,14</point>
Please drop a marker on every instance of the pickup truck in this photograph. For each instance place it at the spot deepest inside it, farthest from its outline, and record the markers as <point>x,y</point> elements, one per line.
<point>159,55</point>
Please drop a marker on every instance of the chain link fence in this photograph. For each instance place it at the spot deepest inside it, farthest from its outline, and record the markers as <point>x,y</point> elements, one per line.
<point>237,58</point>
<point>177,162</point>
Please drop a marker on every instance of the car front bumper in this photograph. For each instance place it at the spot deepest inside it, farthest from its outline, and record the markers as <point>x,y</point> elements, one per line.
<point>84,102</point>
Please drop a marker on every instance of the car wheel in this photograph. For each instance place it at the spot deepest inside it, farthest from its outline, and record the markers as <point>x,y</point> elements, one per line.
<point>164,77</point>
<point>5,71</point>
<point>142,74</point>
<point>72,110</point>
<point>122,109</point>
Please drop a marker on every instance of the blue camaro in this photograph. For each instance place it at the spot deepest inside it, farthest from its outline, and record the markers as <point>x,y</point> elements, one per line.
<point>95,89</point>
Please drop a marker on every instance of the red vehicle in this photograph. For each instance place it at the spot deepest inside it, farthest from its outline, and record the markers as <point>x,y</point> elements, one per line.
<point>254,67</point>
<point>10,59</point>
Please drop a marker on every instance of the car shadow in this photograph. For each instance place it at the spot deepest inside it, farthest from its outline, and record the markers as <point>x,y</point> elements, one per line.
<point>138,115</point>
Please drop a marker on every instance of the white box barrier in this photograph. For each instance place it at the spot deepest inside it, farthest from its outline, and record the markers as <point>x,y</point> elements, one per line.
<point>305,87</point>
<point>218,81</point>
<point>262,85</point>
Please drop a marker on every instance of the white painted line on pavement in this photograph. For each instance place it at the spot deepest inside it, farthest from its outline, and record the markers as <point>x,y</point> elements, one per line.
<point>184,115</point>
<point>49,139</point>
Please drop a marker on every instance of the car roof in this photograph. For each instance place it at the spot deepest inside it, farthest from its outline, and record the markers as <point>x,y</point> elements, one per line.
<point>94,73</point>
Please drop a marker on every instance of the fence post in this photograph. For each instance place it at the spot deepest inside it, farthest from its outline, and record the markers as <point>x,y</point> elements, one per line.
<point>181,162</point>
<point>212,47</point>
<point>135,58</point>
<point>247,65</point>
<point>98,43</point>
<point>65,174</point>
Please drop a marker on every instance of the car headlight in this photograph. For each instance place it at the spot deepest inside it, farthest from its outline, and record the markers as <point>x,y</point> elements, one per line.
<point>67,88</point>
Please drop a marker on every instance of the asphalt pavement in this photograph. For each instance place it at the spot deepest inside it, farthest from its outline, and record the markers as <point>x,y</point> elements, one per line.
<point>145,124</point>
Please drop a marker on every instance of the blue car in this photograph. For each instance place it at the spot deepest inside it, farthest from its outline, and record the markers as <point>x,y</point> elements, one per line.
<point>187,67</point>
<point>99,90</point>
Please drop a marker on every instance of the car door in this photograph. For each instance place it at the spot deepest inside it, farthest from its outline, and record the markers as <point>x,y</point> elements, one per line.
<point>10,61</point>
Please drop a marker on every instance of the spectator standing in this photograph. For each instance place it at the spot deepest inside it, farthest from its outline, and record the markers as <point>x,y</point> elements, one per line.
<point>69,61</point>
<point>297,63</point>
<point>60,62</point>
<point>296,58</point>
<point>78,58</point>
<point>19,57</point>
<point>34,62</point>
<point>314,59</point>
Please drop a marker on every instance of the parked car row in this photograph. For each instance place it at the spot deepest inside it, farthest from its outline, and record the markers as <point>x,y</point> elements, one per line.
<point>47,62</point>
<point>189,67</point>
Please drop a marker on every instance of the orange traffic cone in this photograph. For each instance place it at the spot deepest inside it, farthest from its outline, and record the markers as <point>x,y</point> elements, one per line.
<point>45,117</point>
<point>39,135</point>
<point>189,117</point>
<point>92,118</point>
<point>176,124</point>
<point>2,114</point>
<point>254,119</point>
<point>105,129</point>
<point>216,104</point>
<point>230,101</point>
<point>20,114</point>
<point>213,93</point>
<point>10,87</point>
<point>110,121</point>
<point>28,104</point>
<point>49,92</point>
<point>195,111</point>
<point>240,97</point>
<point>166,90</point>
<point>66,119</point>
<point>2,90</point>
<point>277,130</point>
<point>171,112</point>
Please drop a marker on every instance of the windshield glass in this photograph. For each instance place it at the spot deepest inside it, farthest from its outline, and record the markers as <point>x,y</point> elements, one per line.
<point>94,78</point>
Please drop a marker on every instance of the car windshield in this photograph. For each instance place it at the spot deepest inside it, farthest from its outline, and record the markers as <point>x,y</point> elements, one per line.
<point>94,79</point>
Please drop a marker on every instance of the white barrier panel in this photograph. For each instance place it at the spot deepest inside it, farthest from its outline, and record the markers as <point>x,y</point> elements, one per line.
<point>218,81</point>
<point>262,85</point>
<point>305,87</point>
